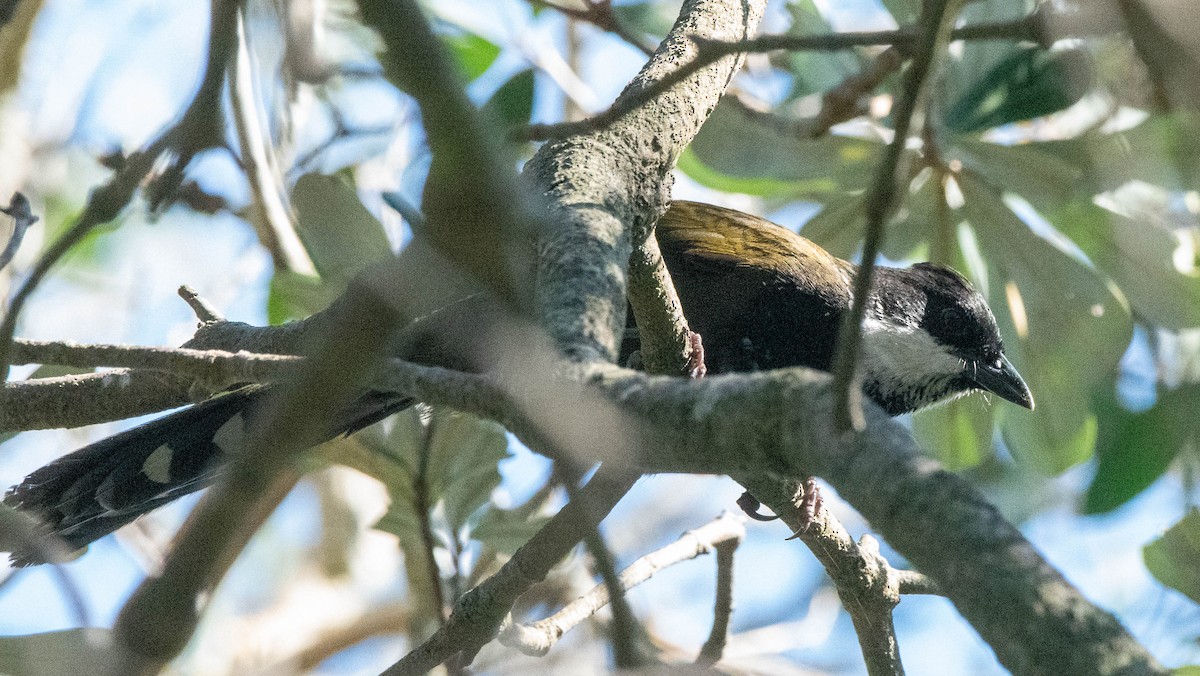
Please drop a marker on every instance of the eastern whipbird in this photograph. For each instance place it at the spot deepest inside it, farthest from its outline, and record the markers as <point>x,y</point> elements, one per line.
<point>761,297</point>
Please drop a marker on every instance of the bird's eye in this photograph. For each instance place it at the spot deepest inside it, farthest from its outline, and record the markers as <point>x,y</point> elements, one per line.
<point>952,317</point>
<point>997,364</point>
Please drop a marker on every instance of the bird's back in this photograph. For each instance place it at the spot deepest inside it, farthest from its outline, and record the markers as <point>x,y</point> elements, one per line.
<point>760,295</point>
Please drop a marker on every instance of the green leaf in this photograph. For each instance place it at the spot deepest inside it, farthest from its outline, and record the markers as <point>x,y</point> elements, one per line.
<point>979,57</point>
<point>1063,328</point>
<point>505,530</point>
<point>839,226</point>
<point>512,104</point>
<point>465,454</point>
<point>1186,671</point>
<point>815,71</point>
<point>903,11</point>
<point>1141,257</point>
<point>293,295</point>
<point>1164,150</point>
<point>1135,449</point>
<point>958,433</point>
<point>701,173</point>
<point>473,53</point>
<point>647,18</point>
<point>1039,175</point>
<point>341,236</point>
<point>1030,83</point>
<point>75,651</point>
<point>922,215</point>
<point>741,153</point>
<point>1172,557</point>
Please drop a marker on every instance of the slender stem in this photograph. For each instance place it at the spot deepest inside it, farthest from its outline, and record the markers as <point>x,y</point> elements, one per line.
<point>1028,27</point>
<point>107,201</point>
<point>881,202</point>
<point>711,652</point>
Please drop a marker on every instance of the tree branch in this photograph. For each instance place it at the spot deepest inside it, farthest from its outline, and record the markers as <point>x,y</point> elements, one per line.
<point>18,209</point>
<point>1031,27</point>
<point>479,613</point>
<point>538,638</point>
<point>710,652</point>
<point>198,128</point>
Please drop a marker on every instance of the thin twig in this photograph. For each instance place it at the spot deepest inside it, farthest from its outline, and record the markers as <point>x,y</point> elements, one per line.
<point>407,210</point>
<point>912,582</point>
<point>423,508</point>
<point>714,647</point>
<point>204,310</point>
<point>18,209</point>
<point>707,52</point>
<point>270,211</point>
<point>600,14</point>
<point>625,628</point>
<point>539,637</point>
<point>479,613</point>
<point>214,366</point>
<point>194,130</point>
<point>842,103</point>
<point>880,204</point>
<point>392,618</point>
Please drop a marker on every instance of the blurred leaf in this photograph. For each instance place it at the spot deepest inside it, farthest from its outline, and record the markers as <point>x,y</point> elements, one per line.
<point>1140,256</point>
<point>294,296</point>
<point>699,172</point>
<point>979,57</point>
<point>341,236</point>
<point>1135,449</point>
<point>512,104</point>
<point>958,433</point>
<point>473,53</point>
<point>919,218</point>
<point>815,71</point>
<point>1186,671</point>
<point>406,518</point>
<point>1164,35</point>
<point>75,651</point>
<point>1172,557</point>
<point>433,457</point>
<point>1033,171</point>
<point>903,11</point>
<point>465,454</point>
<point>743,153</point>
<point>1164,150</point>
<point>1063,327</point>
<point>1030,83</point>
<point>647,18</point>
<point>505,530</point>
<point>839,226</point>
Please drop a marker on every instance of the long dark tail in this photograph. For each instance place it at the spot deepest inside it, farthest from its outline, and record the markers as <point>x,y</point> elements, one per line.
<point>90,493</point>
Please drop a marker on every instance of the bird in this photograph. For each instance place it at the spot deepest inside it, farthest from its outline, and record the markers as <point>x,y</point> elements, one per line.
<point>763,297</point>
<point>760,295</point>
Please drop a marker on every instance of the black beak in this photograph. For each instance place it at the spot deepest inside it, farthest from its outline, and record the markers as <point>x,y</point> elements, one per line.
<point>1003,380</point>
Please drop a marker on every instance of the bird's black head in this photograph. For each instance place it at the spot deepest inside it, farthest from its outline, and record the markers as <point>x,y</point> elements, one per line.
<point>930,336</point>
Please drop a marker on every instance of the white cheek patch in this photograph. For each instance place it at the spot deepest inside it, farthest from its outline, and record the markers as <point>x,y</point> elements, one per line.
<point>157,466</point>
<point>231,437</point>
<point>904,356</point>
